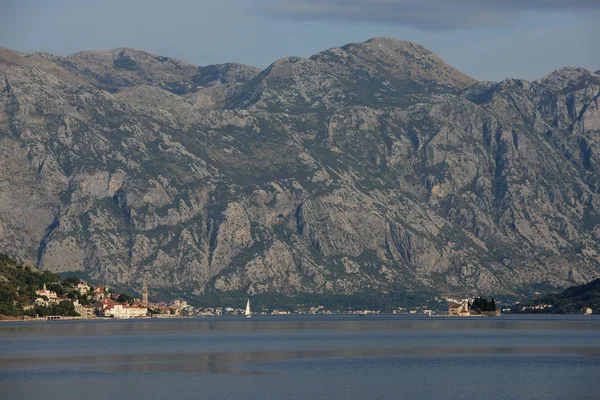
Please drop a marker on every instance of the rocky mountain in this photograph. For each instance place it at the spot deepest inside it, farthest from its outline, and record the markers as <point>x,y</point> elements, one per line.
<point>371,167</point>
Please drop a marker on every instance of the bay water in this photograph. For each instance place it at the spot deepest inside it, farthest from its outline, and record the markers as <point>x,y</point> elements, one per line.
<point>303,357</point>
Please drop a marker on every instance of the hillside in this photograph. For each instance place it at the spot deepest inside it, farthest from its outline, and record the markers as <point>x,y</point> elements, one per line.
<point>370,168</point>
<point>18,284</point>
<point>570,301</point>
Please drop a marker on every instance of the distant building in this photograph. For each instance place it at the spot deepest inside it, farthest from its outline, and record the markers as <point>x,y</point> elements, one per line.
<point>84,311</point>
<point>125,311</point>
<point>110,309</point>
<point>83,288</point>
<point>145,294</point>
<point>45,292</point>
<point>162,309</point>
<point>460,310</point>
<point>454,309</point>
<point>41,302</point>
<point>452,300</point>
<point>99,292</point>
<point>182,304</point>
<point>101,304</point>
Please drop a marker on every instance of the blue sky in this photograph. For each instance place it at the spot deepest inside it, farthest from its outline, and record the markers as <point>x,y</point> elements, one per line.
<point>487,39</point>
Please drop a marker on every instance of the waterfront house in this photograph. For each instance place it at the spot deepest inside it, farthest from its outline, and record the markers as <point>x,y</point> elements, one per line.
<point>122,311</point>
<point>85,311</point>
<point>110,309</point>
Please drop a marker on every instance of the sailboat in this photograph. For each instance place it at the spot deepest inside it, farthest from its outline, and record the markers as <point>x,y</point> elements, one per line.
<point>248,314</point>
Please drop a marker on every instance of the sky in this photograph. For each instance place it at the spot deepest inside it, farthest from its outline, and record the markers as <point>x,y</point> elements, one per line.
<point>486,39</point>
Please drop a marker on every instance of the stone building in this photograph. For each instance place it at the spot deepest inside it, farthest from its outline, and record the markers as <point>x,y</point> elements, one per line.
<point>460,310</point>
<point>145,294</point>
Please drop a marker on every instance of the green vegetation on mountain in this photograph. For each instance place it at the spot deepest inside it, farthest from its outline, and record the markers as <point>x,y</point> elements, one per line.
<point>63,308</point>
<point>18,284</point>
<point>573,300</point>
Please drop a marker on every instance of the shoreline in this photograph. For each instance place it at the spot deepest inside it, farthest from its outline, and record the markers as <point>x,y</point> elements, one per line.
<point>4,318</point>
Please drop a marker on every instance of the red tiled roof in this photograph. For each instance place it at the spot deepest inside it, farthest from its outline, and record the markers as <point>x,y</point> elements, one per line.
<point>109,303</point>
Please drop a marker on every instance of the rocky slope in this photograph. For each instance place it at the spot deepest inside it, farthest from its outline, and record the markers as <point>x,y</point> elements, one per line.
<point>365,168</point>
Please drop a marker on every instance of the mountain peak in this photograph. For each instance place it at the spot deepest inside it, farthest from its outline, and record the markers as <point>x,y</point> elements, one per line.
<point>569,78</point>
<point>397,59</point>
<point>568,73</point>
<point>386,45</point>
<point>391,43</point>
<point>127,57</point>
<point>383,40</point>
<point>287,61</point>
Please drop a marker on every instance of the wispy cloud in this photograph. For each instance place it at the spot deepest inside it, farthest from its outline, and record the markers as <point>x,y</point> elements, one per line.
<point>424,14</point>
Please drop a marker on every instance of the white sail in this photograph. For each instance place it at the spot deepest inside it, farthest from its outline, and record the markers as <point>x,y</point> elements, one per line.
<point>247,313</point>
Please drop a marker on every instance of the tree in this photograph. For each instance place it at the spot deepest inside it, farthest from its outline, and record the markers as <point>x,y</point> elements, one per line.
<point>484,304</point>
<point>56,287</point>
<point>8,308</point>
<point>125,298</point>
<point>65,307</point>
<point>71,281</point>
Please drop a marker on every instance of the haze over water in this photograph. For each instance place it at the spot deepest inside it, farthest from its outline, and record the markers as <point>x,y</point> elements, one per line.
<point>328,357</point>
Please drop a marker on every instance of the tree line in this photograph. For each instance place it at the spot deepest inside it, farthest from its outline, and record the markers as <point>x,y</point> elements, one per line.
<point>483,304</point>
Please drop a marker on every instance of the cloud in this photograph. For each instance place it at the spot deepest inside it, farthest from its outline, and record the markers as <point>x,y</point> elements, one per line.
<point>423,14</point>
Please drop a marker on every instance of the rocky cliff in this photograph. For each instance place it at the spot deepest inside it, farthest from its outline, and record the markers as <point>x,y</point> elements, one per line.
<point>363,168</point>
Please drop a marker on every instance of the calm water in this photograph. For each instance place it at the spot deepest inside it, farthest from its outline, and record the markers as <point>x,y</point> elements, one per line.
<point>328,357</point>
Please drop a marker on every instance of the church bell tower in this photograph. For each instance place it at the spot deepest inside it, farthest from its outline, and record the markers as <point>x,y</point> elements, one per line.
<point>145,294</point>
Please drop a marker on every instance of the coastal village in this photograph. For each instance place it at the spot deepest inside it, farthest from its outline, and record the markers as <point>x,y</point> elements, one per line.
<point>84,301</point>
<point>30,294</point>
<point>100,302</point>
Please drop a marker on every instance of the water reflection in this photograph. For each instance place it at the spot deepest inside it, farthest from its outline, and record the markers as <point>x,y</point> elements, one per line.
<point>349,358</point>
<point>344,323</point>
<point>229,362</point>
<point>221,346</point>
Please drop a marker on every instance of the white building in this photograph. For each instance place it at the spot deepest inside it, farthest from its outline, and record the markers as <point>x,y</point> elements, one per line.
<point>83,288</point>
<point>110,309</point>
<point>45,292</point>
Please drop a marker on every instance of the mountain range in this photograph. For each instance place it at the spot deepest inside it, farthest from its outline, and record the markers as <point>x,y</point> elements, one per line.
<point>367,168</point>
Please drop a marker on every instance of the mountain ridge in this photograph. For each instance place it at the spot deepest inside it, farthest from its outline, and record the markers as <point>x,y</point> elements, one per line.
<point>315,175</point>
